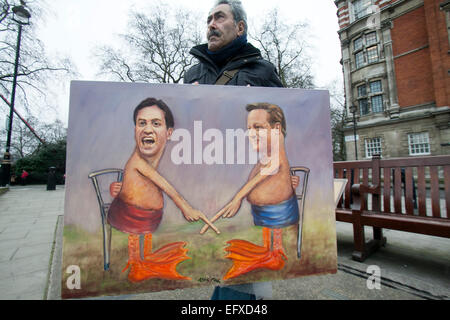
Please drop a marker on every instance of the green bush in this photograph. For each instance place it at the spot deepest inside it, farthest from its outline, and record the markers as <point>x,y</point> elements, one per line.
<point>38,164</point>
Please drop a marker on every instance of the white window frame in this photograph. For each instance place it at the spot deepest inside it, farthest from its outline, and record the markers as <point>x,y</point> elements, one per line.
<point>419,141</point>
<point>360,8</point>
<point>373,146</point>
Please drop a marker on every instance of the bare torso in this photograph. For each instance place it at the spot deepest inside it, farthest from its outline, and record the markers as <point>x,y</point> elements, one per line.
<point>138,190</point>
<point>276,188</point>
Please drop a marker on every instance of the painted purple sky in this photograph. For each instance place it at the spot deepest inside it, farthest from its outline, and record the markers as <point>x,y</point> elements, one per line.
<point>101,135</point>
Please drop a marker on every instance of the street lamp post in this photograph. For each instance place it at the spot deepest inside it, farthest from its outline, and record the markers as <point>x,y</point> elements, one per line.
<point>22,17</point>
<point>353,111</point>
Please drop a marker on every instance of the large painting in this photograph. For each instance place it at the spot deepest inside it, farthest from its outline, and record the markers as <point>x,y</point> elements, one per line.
<point>179,186</point>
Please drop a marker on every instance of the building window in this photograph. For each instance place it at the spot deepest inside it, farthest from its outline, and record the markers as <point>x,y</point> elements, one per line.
<point>359,59</point>
<point>419,144</point>
<point>363,107</point>
<point>376,100</point>
<point>445,6</point>
<point>447,18</point>
<point>373,146</point>
<point>365,49</point>
<point>362,92</point>
<point>370,101</point>
<point>375,86</point>
<point>361,8</point>
<point>377,104</point>
<point>372,54</point>
<point>358,43</point>
<point>371,38</point>
<point>362,100</point>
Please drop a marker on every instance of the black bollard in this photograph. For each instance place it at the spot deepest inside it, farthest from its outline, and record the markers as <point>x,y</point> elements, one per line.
<point>51,180</point>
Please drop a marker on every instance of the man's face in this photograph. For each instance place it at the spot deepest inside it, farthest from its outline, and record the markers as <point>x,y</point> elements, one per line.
<point>222,29</point>
<point>150,132</point>
<point>260,130</point>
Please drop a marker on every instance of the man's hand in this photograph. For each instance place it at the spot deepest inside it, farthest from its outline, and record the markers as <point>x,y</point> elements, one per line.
<point>227,212</point>
<point>231,208</point>
<point>192,215</point>
<point>295,181</point>
<point>114,189</point>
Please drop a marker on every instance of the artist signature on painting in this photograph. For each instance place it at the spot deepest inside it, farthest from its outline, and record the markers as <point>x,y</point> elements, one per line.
<point>208,279</point>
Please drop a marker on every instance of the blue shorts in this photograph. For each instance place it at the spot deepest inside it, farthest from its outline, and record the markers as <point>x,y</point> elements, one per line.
<point>279,215</point>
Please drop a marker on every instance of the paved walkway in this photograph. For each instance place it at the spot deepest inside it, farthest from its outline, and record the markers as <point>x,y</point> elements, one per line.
<point>28,217</point>
<point>412,266</point>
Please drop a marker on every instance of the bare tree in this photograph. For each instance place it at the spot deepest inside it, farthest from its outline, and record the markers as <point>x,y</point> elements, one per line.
<point>159,42</point>
<point>35,77</point>
<point>35,67</point>
<point>285,45</point>
<point>338,121</point>
<point>25,143</point>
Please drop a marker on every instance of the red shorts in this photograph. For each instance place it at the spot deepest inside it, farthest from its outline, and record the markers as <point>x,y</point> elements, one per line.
<point>131,219</point>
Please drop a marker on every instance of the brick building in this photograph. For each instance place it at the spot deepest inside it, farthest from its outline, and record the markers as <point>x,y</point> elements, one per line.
<point>396,65</point>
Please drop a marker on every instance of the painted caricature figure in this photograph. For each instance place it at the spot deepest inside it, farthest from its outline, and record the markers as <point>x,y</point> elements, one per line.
<point>269,190</point>
<point>138,203</point>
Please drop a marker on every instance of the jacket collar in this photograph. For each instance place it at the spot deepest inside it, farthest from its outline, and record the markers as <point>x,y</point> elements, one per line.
<point>248,54</point>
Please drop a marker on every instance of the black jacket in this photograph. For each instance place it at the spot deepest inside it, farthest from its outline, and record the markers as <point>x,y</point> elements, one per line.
<point>253,69</point>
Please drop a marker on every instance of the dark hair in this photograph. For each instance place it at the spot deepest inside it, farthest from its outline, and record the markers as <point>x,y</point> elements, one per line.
<point>150,102</point>
<point>275,113</point>
<point>237,10</point>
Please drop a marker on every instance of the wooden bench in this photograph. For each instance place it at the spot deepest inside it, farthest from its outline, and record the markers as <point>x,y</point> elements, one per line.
<point>394,202</point>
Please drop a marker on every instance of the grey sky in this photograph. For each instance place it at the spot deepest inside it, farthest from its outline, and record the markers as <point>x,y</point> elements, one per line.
<point>75,27</point>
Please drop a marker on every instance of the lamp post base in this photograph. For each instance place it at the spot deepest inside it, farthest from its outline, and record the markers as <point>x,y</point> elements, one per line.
<point>6,170</point>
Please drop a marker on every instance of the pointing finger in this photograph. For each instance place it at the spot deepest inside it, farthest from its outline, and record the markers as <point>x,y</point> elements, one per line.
<point>205,219</point>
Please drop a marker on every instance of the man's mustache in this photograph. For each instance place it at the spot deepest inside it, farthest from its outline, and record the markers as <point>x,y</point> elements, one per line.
<point>214,32</point>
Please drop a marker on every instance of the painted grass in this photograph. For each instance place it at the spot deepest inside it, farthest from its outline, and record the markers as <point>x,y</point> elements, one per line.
<point>207,266</point>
